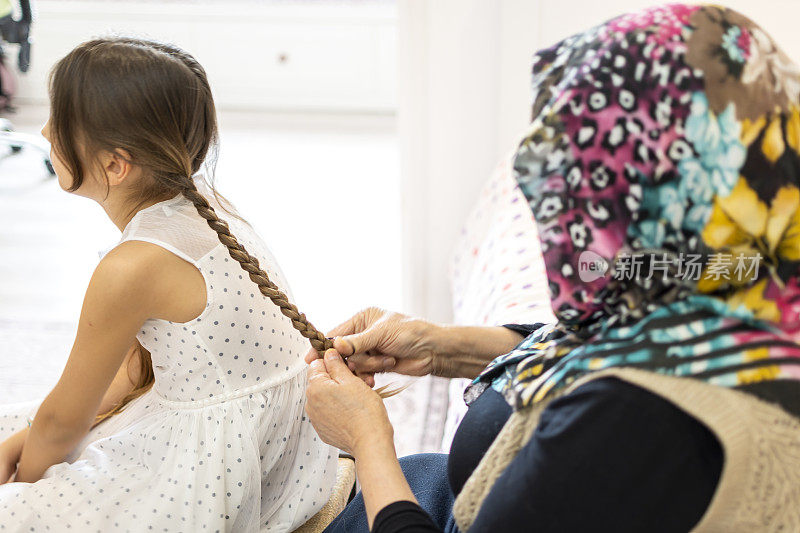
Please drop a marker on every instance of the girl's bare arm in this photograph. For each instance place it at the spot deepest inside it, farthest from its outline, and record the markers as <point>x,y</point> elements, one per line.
<point>123,383</point>
<point>134,282</point>
<point>121,386</point>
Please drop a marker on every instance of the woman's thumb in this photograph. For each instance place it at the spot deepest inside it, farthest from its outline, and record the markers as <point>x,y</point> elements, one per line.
<point>362,342</point>
<point>336,367</point>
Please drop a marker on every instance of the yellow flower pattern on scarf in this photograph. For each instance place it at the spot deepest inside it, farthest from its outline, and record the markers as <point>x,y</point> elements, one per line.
<point>742,223</point>
<point>754,375</point>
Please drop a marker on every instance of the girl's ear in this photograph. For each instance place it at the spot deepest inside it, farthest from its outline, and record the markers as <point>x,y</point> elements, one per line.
<point>117,165</point>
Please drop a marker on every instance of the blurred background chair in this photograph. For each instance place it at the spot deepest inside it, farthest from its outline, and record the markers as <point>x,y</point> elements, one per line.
<point>16,31</point>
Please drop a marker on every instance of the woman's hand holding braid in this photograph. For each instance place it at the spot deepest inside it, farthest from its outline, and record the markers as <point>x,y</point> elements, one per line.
<point>345,412</point>
<point>375,340</point>
<point>349,415</point>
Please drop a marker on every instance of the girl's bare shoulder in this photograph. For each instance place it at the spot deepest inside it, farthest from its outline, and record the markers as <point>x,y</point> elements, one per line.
<point>155,279</point>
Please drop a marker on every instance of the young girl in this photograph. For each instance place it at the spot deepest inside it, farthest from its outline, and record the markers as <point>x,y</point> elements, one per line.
<point>181,407</point>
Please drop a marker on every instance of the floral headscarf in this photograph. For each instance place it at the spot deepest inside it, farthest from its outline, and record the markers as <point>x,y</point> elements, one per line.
<point>662,167</point>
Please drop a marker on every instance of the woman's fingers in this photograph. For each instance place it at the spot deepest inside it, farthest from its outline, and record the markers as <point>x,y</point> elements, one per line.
<point>312,355</point>
<point>358,322</point>
<point>345,328</point>
<point>336,367</point>
<point>369,379</point>
<point>366,377</point>
<point>318,373</point>
<point>344,412</point>
<point>367,340</point>
<point>353,325</point>
<point>363,363</point>
<point>344,346</point>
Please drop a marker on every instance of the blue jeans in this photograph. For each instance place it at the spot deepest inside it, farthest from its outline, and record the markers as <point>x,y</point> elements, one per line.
<point>427,475</point>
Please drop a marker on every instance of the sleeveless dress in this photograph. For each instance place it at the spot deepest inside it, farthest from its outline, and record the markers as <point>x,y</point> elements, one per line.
<point>221,441</point>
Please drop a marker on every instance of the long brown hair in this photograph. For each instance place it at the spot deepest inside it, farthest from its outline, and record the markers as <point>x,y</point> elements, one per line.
<point>153,100</point>
<point>142,379</point>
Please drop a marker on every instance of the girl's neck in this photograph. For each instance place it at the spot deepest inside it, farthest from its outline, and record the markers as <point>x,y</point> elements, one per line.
<point>122,212</point>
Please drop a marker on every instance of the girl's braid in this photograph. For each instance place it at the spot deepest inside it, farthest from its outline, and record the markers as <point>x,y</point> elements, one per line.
<point>248,262</point>
<point>250,265</point>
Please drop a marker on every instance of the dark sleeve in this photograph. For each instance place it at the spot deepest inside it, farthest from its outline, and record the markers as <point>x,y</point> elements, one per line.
<point>404,517</point>
<point>524,329</point>
<point>609,456</point>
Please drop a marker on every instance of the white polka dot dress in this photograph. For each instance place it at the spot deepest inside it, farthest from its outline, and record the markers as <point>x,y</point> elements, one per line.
<point>221,441</point>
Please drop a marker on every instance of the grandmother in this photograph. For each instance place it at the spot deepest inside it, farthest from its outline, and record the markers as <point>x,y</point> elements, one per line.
<point>663,170</point>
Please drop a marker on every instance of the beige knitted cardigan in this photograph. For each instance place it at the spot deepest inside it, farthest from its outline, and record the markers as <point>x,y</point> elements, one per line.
<point>759,488</point>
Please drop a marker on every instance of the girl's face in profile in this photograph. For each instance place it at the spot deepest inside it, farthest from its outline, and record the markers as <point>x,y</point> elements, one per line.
<point>64,176</point>
<point>90,188</point>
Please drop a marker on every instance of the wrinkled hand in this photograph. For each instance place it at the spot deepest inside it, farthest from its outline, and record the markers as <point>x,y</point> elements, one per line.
<point>375,340</point>
<point>345,412</point>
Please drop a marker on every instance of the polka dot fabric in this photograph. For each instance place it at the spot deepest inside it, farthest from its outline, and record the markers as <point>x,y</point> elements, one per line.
<point>221,441</point>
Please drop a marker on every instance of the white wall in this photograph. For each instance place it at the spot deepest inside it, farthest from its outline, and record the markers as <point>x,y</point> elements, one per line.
<point>306,57</point>
<point>463,101</point>
<point>452,119</point>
